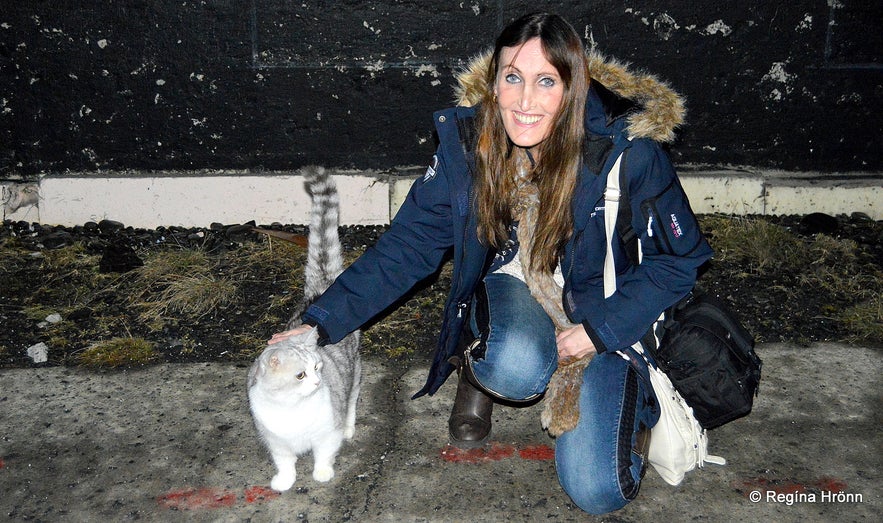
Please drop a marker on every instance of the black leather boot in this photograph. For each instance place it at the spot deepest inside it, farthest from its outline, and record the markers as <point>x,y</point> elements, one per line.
<point>470,422</point>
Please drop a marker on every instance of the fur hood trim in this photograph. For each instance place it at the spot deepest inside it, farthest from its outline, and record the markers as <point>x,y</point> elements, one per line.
<point>660,109</point>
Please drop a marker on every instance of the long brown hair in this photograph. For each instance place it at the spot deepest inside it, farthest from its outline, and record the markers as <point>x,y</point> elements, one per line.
<point>555,173</point>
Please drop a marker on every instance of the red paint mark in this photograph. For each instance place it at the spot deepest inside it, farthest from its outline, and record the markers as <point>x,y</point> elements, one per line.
<point>196,499</point>
<point>260,494</point>
<point>827,484</point>
<point>495,452</point>
<point>213,498</point>
<point>789,486</point>
<point>537,453</point>
<point>2,464</point>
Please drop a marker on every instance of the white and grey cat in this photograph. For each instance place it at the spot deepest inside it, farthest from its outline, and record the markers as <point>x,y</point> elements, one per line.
<point>302,396</point>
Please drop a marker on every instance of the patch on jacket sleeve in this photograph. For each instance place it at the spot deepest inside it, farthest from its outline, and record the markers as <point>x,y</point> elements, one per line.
<point>432,169</point>
<point>675,226</point>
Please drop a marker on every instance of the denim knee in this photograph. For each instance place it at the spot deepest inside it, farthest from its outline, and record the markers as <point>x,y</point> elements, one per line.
<point>519,353</point>
<point>595,498</point>
<point>517,368</point>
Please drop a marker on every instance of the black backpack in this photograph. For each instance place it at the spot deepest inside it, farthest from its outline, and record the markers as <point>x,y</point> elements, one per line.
<point>709,358</point>
<point>704,350</point>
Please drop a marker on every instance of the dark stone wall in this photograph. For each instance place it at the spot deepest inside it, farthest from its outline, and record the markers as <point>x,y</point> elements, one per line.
<point>275,84</point>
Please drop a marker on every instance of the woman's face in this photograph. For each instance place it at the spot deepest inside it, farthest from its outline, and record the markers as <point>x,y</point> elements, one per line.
<point>529,92</point>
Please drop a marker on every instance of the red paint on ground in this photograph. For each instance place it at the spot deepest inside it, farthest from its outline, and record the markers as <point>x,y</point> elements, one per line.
<point>196,499</point>
<point>827,484</point>
<point>495,452</point>
<point>537,453</point>
<point>2,464</point>
<point>260,494</point>
<point>789,486</point>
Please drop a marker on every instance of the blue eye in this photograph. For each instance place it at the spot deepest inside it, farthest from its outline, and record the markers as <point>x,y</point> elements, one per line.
<point>547,82</point>
<point>512,78</point>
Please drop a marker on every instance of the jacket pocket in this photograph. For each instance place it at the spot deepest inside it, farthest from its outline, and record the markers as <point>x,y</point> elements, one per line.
<point>669,222</point>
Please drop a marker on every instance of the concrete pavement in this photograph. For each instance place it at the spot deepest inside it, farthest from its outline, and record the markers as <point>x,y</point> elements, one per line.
<point>176,443</point>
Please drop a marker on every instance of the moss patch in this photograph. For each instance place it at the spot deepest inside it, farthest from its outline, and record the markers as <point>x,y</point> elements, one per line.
<point>118,352</point>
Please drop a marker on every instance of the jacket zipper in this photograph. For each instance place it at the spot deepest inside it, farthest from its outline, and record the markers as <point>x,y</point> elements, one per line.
<point>568,307</point>
<point>461,306</point>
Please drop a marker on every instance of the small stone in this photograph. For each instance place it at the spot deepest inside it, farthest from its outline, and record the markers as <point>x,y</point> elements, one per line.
<point>54,318</point>
<point>57,240</point>
<point>818,222</point>
<point>240,233</point>
<point>110,226</point>
<point>39,353</point>
<point>81,314</point>
<point>120,258</point>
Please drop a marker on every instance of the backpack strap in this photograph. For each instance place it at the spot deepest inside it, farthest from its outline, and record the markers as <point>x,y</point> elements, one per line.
<point>618,218</point>
<point>627,234</point>
<point>612,197</point>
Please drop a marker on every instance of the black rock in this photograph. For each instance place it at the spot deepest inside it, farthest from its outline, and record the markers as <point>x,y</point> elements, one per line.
<point>80,314</point>
<point>240,233</point>
<point>110,226</point>
<point>818,222</point>
<point>861,217</point>
<point>119,257</point>
<point>56,240</point>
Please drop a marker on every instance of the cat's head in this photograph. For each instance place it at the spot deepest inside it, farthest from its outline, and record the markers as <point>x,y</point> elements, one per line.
<point>291,365</point>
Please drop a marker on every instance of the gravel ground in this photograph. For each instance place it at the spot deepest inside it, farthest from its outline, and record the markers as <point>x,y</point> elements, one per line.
<point>791,279</point>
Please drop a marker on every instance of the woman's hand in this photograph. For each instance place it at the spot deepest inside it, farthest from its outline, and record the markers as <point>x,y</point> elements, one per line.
<point>279,336</point>
<point>573,344</point>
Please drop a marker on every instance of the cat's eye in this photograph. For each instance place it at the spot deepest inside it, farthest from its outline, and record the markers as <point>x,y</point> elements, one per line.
<point>301,375</point>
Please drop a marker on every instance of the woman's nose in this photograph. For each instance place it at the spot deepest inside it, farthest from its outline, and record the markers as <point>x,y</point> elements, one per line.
<point>526,98</point>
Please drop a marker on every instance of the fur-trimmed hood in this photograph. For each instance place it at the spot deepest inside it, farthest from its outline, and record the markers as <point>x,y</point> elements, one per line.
<point>658,110</point>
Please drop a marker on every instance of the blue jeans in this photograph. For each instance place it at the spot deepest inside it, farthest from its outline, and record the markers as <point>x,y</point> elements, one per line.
<point>596,462</point>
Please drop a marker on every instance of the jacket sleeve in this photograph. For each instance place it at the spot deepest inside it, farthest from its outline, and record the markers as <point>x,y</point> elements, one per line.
<point>671,244</point>
<point>411,250</point>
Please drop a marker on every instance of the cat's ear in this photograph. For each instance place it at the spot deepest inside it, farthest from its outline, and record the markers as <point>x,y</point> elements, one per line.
<point>273,361</point>
<point>313,335</point>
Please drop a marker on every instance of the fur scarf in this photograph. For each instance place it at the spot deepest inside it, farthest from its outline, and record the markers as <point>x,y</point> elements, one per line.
<point>561,404</point>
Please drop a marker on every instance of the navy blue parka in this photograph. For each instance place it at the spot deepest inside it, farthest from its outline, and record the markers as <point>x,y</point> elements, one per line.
<point>437,217</point>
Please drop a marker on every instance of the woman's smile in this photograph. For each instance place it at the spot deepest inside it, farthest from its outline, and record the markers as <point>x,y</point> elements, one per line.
<point>526,119</point>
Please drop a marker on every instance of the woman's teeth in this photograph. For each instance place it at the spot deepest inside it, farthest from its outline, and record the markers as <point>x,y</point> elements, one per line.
<point>525,119</point>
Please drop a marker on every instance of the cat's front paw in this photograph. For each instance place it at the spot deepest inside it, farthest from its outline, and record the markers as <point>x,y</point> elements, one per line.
<point>282,482</point>
<point>323,473</point>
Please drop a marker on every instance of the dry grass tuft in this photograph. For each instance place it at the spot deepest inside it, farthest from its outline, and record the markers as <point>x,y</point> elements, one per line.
<point>179,283</point>
<point>865,319</point>
<point>755,243</point>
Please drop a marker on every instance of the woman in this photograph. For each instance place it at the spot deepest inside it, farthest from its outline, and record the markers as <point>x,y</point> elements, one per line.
<point>516,190</point>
